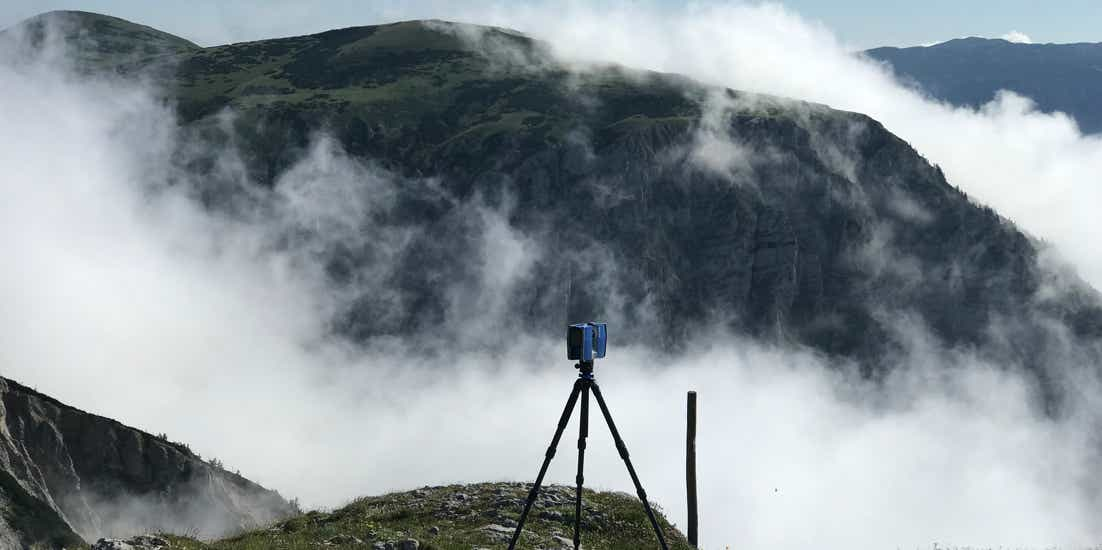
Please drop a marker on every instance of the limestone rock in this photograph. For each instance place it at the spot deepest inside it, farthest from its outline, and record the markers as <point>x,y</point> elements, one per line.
<point>75,470</point>
<point>140,542</point>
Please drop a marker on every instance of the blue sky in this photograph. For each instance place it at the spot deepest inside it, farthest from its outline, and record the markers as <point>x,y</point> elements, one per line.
<point>860,23</point>
<point>892,22</point>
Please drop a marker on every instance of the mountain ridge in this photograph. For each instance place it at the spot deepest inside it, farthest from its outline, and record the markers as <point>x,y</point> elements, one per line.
<point>782,235</point>
<point>969,72</point>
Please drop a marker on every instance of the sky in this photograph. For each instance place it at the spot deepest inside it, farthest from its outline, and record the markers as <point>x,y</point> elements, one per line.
<point>858,23</point>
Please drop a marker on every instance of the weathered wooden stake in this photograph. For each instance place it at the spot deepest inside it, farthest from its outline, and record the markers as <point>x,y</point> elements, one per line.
<point>690,467</point>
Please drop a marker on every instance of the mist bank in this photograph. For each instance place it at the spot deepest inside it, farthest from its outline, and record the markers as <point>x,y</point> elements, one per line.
<point>153,278</point>
<point>1036,168</point>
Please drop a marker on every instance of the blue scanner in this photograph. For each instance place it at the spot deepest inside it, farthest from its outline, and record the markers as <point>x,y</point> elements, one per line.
<point>586,341</point>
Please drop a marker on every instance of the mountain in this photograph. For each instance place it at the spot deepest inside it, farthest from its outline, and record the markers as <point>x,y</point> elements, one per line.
<point>100,42</point>
<point>969,71</point>
<point>655,201</point>
<point>461,516</point>
<point>67,474</point>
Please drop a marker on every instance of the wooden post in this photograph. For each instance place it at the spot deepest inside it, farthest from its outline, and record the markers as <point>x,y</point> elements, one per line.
<point>690,467</point>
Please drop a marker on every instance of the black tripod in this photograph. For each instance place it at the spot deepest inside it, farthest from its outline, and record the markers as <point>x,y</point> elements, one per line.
<point>583,386</point>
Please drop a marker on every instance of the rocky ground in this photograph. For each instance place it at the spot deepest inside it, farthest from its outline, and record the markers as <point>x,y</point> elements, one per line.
<point>466,517</point>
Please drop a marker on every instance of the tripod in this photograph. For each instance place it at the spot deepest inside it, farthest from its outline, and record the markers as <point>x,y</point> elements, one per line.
<point>585,384</point>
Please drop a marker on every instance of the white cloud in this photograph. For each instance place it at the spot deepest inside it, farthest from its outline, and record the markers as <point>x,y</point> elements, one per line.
<point>1017,37</point>
<point>1036,168</point>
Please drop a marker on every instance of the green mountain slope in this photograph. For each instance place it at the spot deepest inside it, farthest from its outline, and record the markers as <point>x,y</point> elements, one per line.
<point>806,225</point>
<point>100,41</point>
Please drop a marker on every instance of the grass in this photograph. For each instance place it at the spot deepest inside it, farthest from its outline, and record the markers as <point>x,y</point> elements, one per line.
<point>456,518</point>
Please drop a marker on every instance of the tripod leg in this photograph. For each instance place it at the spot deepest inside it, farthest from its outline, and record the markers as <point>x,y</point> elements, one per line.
<point>583,433</point>
<point>623,450</point>
<point>546,461</point>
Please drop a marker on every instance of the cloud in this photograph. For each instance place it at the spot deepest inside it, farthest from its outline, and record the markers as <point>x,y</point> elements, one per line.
<point>1035,168</point>
<point>1017,37</point>
<point>124,295</point>
<point>714,149</point>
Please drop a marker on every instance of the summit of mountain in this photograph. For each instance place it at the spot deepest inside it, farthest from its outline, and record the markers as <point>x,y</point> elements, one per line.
<point>96,41</point>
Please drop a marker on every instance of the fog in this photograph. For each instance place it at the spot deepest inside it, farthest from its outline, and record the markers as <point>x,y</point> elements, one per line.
<point>1037,169</point>
<point>123,296</point>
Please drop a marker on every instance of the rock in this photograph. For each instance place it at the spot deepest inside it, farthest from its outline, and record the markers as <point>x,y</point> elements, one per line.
<point>434,530</point>
<point>150,540</point>
<point>508,503</point>
<point>93,459</point>
<point>498,532</point>
<point>343,539</point>
<point>552,515</point>
<point>563,541</point>
<point>380,546</point>
<point>111,544</point>
<point>409,544</point>
<point>141,542</point>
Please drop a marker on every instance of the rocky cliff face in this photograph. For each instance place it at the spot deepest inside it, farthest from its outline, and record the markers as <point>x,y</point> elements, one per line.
<point>64,473</point>
<point>656,202</point>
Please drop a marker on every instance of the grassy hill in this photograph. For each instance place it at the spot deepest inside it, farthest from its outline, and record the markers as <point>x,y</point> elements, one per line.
<point>459,517</point>
<point>102,42</point>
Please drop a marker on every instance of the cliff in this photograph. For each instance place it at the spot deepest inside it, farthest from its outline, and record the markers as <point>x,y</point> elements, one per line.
<point>67,474</point>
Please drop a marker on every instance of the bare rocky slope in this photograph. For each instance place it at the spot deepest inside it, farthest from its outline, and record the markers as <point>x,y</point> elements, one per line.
<point>66,474</point>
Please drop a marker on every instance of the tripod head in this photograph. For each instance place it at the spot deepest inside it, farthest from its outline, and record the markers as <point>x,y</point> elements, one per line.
<point>585,370</point>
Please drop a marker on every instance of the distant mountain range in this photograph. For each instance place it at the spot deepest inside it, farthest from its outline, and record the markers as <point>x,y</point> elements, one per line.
<point>969,71</point>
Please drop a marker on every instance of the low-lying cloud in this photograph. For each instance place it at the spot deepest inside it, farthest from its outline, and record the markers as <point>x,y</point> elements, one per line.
<point>123,295</point>
<point>1017,37</point>
<point>1035,168</point>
